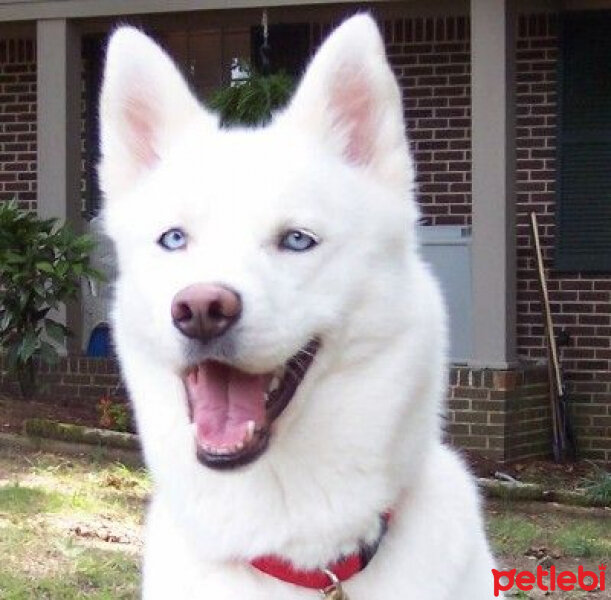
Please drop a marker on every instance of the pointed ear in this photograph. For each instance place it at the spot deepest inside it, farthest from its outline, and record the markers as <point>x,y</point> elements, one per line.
<point>145,105</point>
<point>349,98</point>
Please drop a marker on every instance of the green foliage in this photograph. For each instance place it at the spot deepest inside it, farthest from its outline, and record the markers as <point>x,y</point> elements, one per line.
<point>41,264</point>
<point>114,415</point>
<point>598,486</point>
<point>253,101</point>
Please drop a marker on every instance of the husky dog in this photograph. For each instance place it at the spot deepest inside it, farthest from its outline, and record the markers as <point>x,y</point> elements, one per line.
<point>282,341</point>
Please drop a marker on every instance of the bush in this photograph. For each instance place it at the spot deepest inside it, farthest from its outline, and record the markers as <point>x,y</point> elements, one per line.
<point>115,415</point>
<point>41,264</point>
<point>253,101</point>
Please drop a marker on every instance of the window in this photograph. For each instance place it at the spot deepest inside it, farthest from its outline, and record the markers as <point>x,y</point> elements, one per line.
<point>584,143</point>
<point>93,59</point>
<point>289,47</point>
<point>205,59</point>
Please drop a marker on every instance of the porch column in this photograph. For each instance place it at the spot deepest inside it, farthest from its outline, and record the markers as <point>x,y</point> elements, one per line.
<point>493,25</point>
<point>59,122</point>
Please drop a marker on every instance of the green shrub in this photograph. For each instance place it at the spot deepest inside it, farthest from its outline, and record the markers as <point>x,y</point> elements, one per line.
<point>41,263</point>
<point>252,101</point>
<point>115,415</point>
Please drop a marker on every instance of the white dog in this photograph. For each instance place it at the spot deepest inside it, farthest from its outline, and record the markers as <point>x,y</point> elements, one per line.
<point>282,341</point>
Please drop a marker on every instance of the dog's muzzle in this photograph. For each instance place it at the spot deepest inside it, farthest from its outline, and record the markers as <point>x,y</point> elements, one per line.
<point>232,411</point>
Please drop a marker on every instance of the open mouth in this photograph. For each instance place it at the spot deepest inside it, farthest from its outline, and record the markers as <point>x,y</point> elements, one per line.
<point>232,411</point>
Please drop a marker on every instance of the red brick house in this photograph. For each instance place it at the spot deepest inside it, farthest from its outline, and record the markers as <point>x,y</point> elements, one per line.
<point>508,107</point>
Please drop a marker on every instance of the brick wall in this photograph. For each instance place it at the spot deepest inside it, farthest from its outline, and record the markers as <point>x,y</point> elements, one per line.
<point>74,380</point>
<point>581,303</point>
<point>18,122</point>
<point>536,176</point>
<point>431,59</point>
<point>503,415</point>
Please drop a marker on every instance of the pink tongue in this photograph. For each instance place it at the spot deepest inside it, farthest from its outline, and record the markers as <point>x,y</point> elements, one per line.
<point>224,401</point>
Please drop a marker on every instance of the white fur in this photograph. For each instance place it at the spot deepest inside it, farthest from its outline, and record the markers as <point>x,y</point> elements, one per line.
<point>362,434</point>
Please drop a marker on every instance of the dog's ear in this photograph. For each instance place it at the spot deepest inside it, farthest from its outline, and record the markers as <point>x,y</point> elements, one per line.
<point>349,97</point>
<point>145,105</point>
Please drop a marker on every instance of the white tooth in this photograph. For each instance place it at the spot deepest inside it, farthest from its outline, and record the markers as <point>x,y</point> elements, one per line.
<point>275,383</point>
<point>250,431</point>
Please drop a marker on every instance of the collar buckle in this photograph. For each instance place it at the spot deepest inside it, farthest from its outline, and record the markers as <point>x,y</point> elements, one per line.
<point>334,591</point>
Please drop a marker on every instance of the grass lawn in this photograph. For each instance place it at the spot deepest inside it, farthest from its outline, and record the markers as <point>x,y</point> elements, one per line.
<point>516,532</point>
<point>70,527</point>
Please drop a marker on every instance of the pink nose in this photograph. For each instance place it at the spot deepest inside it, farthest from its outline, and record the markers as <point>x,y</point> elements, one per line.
<point>205,310</point>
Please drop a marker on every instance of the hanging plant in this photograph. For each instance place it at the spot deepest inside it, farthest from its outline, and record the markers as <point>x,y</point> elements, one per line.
<point>253,101</point>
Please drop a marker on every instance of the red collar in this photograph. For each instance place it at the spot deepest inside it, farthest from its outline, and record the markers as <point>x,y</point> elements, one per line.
<point>343,569</point>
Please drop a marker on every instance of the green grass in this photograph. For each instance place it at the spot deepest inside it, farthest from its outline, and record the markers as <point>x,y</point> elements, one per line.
<point>513,533</point>
<point>585,540</point>
<point>598,486</point>
<point>91,574</point>
<point>19,500</point>
<point>53,508</point>
<point>55,516</point>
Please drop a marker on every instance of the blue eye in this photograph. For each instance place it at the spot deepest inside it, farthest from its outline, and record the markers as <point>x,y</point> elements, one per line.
<point>173,239</point>
<point>297,240</point>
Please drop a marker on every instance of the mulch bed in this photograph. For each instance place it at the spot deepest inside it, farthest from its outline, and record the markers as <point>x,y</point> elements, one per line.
<point>567,476</point>
<point>13,412</point>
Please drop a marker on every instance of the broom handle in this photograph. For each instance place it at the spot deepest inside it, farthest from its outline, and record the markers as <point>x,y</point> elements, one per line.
<point>547,310</point>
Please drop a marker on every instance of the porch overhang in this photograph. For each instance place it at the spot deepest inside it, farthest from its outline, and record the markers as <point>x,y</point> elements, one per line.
<point>19,10</point>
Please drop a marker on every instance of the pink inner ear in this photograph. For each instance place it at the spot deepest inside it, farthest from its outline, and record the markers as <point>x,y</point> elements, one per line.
<point>353,107</point>
<point>140,118</point>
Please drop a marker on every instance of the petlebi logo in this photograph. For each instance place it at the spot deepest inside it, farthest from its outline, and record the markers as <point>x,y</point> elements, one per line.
<point>551,580</point>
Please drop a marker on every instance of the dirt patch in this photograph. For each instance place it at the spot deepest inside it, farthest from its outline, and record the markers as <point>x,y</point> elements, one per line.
<point>103,530</point>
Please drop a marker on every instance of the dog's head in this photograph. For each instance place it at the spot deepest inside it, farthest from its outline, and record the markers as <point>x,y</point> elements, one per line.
<point>247,257</point>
